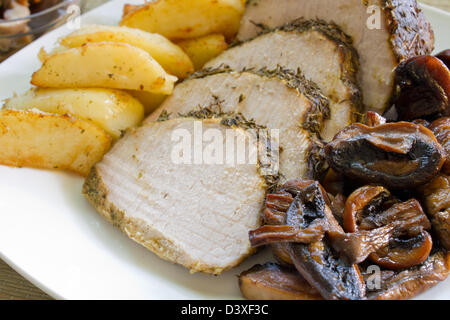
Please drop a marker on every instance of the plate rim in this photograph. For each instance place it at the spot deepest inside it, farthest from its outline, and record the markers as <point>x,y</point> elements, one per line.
<point>41,285</point>
<point>435,9</point>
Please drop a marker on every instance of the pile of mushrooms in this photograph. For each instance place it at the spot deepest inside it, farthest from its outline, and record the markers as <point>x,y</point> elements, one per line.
<point>383,205</point>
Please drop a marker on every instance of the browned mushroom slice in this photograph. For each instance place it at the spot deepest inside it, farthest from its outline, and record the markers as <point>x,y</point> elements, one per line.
<point>410,244</point>
<point>274,217</point>
<point>280,202</point>
<point>409,283</point>
<point>422,88</point>
<point>422,122</point>
<point>319,265</point>
<point>444,56</point>
<point>398,155</point>
<point>333,277</point>
<point>441,129</point>
<point>333,182</point>
<point>275,214</point>
<point>436,199</point>
<point>363,202</point>
<point>294,187</point>
<point>337,206</point>
<point>294,228</point>
<point>282,254</point>
<point>274,282</point>
<point>407,215</point>
<point>276,207</point>
<point>357,246</point>
<point>404,253</point>
<point>287,207</point>
<point>377,224</point>
<point>377,232</point>
<point>310,207</point>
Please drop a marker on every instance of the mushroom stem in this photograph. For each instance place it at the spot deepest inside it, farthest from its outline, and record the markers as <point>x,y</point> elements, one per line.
<point>270,234</point>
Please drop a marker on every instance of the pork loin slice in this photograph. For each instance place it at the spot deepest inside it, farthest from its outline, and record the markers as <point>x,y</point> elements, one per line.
<point>279,99</point>
<point>196,215</point>
<point>384,32</point>
<point>323,53</point>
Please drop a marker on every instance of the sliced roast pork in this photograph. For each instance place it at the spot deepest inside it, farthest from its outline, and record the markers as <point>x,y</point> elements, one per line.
<point>323,53</point>
<point>384,32</point>
<point>194,213</point>
<point>278,99</point>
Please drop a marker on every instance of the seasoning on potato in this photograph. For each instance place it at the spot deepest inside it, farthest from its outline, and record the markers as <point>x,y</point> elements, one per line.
<point>203,49</point>
<point>187,19</point>
<point>49,141</point>
<point>112,110</point>
<point>104,65</point>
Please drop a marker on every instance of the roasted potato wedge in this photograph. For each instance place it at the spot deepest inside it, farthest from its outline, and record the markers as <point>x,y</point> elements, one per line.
<point>187,19</point>
<point>170,56</point>
<point>203,49</point>
<point>104,65</point>
<point>150,101</point>
<point>41,140</point>
<point>43,55</point>
<point>110,109</point>
<point>127,8</point>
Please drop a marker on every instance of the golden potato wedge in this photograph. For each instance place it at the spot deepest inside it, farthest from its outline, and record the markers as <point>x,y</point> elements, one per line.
<point>104,65</point>
<point>48,141</point>
<point>203,49</point>
<point>43,55</point>
<point>167,54</point>
<point>112,110</point>
<point>187,19</point>
<point>150,101</point>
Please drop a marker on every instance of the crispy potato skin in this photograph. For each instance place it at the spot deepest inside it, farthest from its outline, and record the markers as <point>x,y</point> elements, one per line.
<point>150,101</point>
<point>187,19</point>
<point>112,110</point>
<point>170,56</point>
<point>48,141</point>
<point>203,49</point>
<point>104,65</point>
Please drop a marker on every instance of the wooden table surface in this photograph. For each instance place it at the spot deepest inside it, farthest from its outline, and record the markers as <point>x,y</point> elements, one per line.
<point>14,286</point>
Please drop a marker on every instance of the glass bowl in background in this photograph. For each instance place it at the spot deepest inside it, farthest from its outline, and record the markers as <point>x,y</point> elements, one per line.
<point>17,33</point>
<point>87,5</point>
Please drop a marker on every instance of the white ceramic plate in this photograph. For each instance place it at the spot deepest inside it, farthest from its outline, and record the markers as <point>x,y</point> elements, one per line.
<point>51,235</point>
